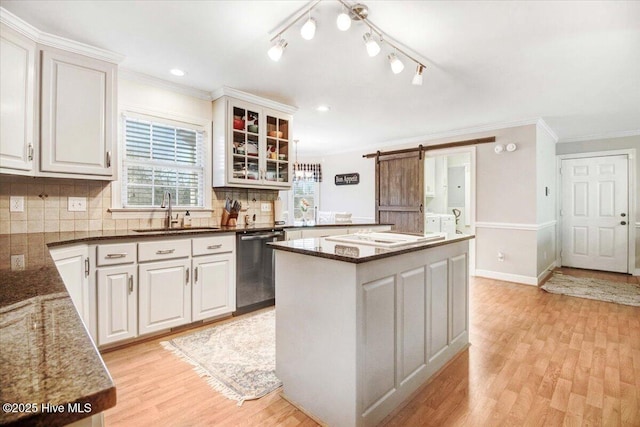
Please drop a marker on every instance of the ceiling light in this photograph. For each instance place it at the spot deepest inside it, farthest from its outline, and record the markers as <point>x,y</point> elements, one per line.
<point>396,65</point>
<point>308,30</point>
<point>417,79</point>
<point>177,72</point>
<point>323,108</point>
<point>275,53</point>
<point>373,48</point>
<point>344,21</point>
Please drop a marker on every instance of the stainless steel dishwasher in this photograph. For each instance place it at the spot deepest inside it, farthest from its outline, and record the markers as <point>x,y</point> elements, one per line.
<point>255,272</point>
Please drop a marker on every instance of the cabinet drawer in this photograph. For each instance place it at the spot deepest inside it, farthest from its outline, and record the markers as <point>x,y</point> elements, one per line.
<point>213,245</point>
<point>164,249</point>
<point>117,253</point>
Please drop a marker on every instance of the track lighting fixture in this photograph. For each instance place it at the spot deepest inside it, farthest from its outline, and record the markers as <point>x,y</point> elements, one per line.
<point>308,30</point>
<point>396,65</point>
<point>373,48</point>
<point>374,38</point>
<point>275,53</point>
<point>417,78</point>
<point>343,21</point>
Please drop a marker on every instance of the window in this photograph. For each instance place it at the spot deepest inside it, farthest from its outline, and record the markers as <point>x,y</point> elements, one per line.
<point>160,157</point>
<point>305,199</point>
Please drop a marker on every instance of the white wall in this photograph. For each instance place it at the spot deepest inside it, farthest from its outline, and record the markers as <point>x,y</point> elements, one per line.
<point>613,144</point>
<point>546,177</point>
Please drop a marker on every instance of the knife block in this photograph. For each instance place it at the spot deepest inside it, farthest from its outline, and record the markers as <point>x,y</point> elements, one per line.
<point>230,219</point>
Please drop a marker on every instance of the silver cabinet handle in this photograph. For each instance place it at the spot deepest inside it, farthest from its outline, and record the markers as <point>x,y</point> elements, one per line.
<point>214,246</point>
<point>187,283</point>
<point>130,284</point>
<point>30,151</point>
<point>86,267</point>
<point>120,255</point>
<point>165,252</point>
<point>195,275</point>
<point>108,159</point>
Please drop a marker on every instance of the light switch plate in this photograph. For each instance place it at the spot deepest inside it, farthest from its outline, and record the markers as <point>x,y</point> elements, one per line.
<point>77,204</point>
<point>265,207</point>
<point>16,204</point>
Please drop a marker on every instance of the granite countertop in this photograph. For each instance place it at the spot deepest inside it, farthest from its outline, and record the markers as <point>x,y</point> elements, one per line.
<point>47,356</point>
<point>356,253</point>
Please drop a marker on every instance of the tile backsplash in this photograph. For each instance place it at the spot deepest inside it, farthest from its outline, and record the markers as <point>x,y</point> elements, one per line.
<point>46,203</point>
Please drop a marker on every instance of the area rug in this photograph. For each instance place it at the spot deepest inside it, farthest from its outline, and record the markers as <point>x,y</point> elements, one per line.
<point>237,358</point>
<point>598,289</point>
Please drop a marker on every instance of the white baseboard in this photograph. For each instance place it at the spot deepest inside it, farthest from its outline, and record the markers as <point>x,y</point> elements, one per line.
<point>507,277</point>
<point>546,272</point>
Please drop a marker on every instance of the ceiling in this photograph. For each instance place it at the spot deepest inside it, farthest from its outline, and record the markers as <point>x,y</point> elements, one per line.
<point>576,64</point>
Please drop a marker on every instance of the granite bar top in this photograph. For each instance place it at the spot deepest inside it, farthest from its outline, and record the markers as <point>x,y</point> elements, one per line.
<point>356,253</point>
<point>50,370</point>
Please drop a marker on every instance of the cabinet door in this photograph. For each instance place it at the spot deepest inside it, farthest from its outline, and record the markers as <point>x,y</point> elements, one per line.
<point>72,266</point>
<point>213,286</point>
<point>117,304</point>
<point>245,166</point>
<point>277,150</point>
<point>17,95</point>
<point>78,116</point>
<point>164,295</point>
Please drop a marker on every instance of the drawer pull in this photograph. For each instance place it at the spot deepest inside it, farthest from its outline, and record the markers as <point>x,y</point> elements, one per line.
<point>165,252</point>
<point>120,255</point>
<point>218,246</point>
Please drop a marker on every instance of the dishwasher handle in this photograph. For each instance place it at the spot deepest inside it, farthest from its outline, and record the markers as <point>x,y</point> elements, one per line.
<point>261,236</point>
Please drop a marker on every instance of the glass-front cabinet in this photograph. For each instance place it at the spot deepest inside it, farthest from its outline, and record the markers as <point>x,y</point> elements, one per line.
<point>253,150</point>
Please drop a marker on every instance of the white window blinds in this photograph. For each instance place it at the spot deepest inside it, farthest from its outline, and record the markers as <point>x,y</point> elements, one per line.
<point>158,158</point>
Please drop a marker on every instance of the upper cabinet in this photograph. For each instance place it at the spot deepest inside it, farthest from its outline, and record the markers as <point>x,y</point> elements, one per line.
<point>17,96</point>
<point>58,103</point>
<point>252,143</point>
<point>78,111</point>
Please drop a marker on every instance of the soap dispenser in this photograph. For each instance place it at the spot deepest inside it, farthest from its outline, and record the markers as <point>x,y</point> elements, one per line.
<point>187,220</point>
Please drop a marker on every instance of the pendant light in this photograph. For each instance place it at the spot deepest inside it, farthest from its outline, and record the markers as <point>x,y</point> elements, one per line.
<point>417,79</point>
<point>396,65</point>
<point>275,53</point>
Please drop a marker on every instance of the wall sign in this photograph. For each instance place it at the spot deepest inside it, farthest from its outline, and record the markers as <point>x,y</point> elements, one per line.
<point>347,179</point>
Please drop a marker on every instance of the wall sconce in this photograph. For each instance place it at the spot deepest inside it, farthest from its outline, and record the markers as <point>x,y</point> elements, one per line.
<point>500,148</point>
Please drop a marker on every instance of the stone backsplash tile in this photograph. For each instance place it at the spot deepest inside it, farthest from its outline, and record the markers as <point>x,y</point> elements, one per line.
<point>46,206</point>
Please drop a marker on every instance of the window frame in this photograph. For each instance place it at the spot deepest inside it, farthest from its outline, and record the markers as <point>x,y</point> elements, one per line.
<point>121,212</point>
<point>316,195</point>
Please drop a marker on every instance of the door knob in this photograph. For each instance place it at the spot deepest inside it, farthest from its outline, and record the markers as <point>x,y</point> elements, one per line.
<point>623,222</point>
<point>623,215</point>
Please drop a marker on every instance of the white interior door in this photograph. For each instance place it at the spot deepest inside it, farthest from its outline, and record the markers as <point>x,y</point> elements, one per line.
<point>594,213</point>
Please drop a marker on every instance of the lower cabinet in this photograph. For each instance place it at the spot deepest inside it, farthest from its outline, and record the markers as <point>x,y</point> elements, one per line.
<point>117,304</point>
<point>213,292</point>
<point>164,295</point>
<point>72,264</point>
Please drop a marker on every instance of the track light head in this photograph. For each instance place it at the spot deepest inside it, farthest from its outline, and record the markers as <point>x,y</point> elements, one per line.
<point>373,48</point>
<point>396,65</point>
<point>308,30</point>
<point>417,78</point>
<point>275,53</point>
<point>343,21</point>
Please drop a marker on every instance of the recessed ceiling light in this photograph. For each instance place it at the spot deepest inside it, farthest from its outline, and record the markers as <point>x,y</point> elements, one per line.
<point>177,72</point>
<point>323,108</point>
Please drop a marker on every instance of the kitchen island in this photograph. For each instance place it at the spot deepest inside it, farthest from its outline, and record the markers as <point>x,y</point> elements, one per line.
<point>360,327</point>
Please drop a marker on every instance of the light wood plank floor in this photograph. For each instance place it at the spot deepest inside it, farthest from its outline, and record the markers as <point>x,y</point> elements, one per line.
<point>536,359</point>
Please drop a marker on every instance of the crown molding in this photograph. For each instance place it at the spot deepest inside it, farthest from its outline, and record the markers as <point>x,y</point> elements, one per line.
<point>124,73</point>
<point>605,135</point>
<point>254,99</point>
<point>28,30</point>
<point>547,128</point>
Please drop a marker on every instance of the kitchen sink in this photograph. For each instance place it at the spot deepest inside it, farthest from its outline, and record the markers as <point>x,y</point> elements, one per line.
<point>174,230</point>
<point>387,240</point>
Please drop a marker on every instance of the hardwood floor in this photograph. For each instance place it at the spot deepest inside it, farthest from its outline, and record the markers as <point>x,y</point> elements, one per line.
<point>535,359</point>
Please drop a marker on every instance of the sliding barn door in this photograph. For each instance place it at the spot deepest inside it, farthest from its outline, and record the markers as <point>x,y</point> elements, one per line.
<point>399,192</point>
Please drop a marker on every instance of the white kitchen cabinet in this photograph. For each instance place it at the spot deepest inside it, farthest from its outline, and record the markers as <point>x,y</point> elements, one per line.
<point>213,291</point>
<point>317,232</point>
<point>73,265</point>
<point>117,303</point>
<point>17,98</point>
<point>164,295</point>
<point>430,176</point>
<point>78,115</point>
<point>252,146</point>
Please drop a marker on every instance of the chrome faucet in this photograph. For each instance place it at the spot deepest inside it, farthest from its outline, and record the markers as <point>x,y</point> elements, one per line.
<point>166,203</point>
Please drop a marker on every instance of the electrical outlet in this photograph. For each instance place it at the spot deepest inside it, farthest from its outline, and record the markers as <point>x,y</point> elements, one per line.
<point>16,204</point>
<point>265,207</point>
<point>17,262</point>
<point>77,204</point>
